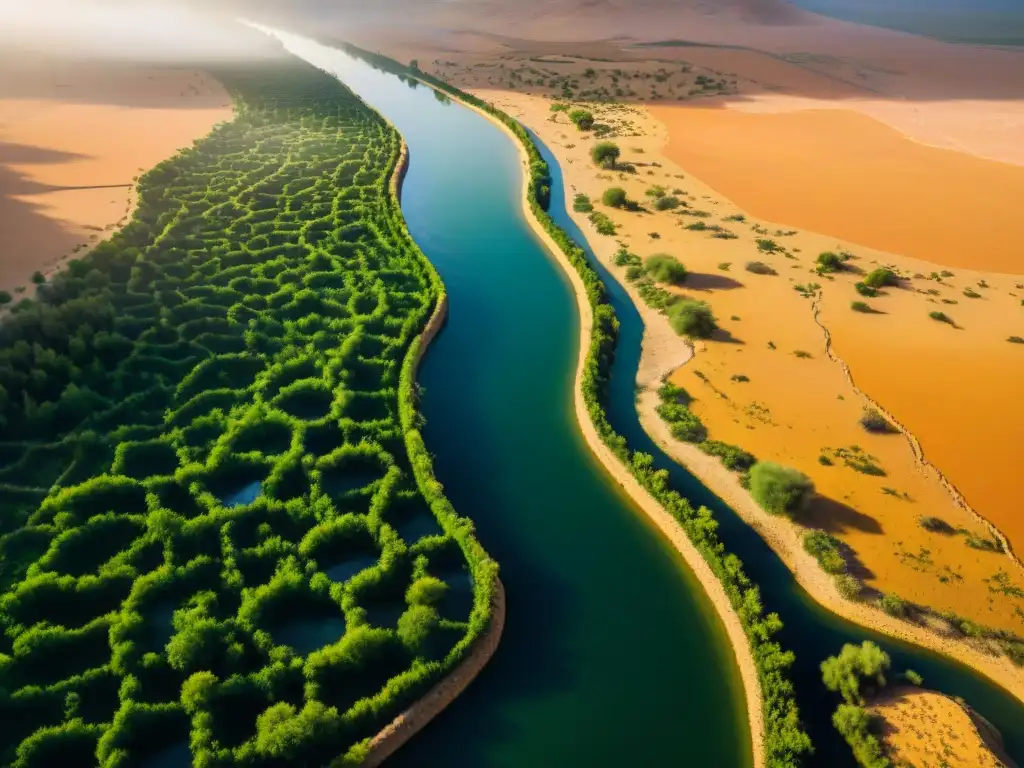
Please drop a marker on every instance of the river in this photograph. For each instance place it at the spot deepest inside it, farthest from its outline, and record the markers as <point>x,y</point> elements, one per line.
<point>612,654</point>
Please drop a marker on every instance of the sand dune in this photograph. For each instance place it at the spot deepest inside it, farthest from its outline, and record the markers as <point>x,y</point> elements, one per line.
<point>73,137</point>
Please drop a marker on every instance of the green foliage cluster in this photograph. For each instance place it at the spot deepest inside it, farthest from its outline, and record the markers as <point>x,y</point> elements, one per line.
<point>880,278</point>
<point>614,197</point>
<point>221,529</point>
<point>691,318</point>
<point>780,490</point>
<point>825,548</point>
<point>605,154</point>
<point>667,203</point>
<point>582,118</point>
<point>732,456</point>
<point>603,224</point>
<point>785,740</point>
<point>581,203</point>
<point>855,671</point>
<point>665,269</point>
<point>674,410</point>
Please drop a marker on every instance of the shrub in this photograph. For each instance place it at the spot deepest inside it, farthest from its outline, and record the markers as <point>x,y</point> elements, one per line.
<point>5,298</point>
<point>38,277</point>
<point>865,290</point>
<point>780,490</point>
<point>861,306</point>
<point>1011,339</point>
<point>667,203</point>
<point>913,677</point>
<point>760,268</point>
<point>656,191</point>
<point>624,258</point>
<point>935,524</point>
<point>830,262</point>
<point>665,269</point>
<point>602,223</point>
<point>733,457</point>
<point>559,107</point>
<point>873,421</point>
<point>581,204</point>
<point>971,294</point>
<point>605,154</point>
<point>614,197</point>
<point>857,726</point>
<point>692,318</point>
<point>583,119</point>
<point>848,586</point>
<point>940,317</point>
<point>634,272</point>
<point>825,549</point>
<point>857,668</point>
<point>894,606</point>
<point>880,278</point>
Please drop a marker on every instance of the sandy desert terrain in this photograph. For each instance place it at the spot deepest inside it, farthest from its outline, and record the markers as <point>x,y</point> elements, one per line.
<point>74,136</point>
<point>929,730</point>
<point>820,136</point>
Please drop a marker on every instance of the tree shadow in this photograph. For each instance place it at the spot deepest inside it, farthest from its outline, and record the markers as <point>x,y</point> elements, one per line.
<point>833,516</point>
<point>709,281</point>
<point>723,336</point>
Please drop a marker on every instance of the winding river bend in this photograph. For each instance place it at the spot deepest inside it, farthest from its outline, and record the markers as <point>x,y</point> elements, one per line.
<point>611,654</point>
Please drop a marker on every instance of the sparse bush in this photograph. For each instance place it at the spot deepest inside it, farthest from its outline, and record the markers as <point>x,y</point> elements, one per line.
<point>665,269</point>
<point>880,278</point>
<point>760,268</point>
<point>634,272</point>
<point>655,191</point>
<point>830,262</point>
<point>865,290</point>
<point>667,203</point>
<point>581,204</point>
<point>733,457</point>
<point>1011,339</point>
<point>940,317</point>
<point>624,258</point>
<point>583,119</point>
<point>780,490</point>
<point>894,606</point>
<point>692,318</point>
<point>913,677</point>
<point>825,549</point>
<point>38,277</point>
<point>873,421</point>
<point>614,197</point>
<point>861,306</point>
<point>5,298</point>
<point>848,586</point>
<point>605,154</point>
<point>857,668</point>
<point>935,525</point>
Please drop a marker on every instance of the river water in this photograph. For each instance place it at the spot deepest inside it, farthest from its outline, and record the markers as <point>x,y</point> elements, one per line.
<point>612,654</point>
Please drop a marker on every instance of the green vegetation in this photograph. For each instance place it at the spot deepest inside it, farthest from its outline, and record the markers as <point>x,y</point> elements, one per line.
<point>674,409</point>
<point>665,269</point>
<point>581,204</point>
<point>733,457</point>
<point>856,670</point>
<point>583,119</point>
<point>941,317</point>
<point>936,525</point>
<point>895,606</point>
<point>605,154</point>
<point>603,224</point>
<point>780,490</point>
<point>691,318</point>
<point>873,421</point>
<point>866,290</point>
<point>667,203</point>
<point>830,262</point>
<point>825,548</point>
<point>614,197</point>
<point>880,278</point>
<point>1011,339</point>
<point>214,458</point>
<point>5,298</point>
<point>785,740</point>
<point>861,306</point>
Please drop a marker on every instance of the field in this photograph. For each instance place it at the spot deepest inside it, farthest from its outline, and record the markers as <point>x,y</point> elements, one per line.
<point>221,534</point>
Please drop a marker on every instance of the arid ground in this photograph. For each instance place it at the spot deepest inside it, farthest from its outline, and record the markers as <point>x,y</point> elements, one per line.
<point>74,136</point>
<point>772,124</point>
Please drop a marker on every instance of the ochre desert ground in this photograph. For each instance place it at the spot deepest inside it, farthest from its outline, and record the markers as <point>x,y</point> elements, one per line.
<point>925,729</point>
<point>74,136</point>
<point>819,136</point>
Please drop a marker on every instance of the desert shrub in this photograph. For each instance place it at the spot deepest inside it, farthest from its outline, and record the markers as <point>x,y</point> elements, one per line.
<point>987,545</point>
<point>865,290</point>
<point>861,306</point>
<point>666,203</point>
<point>830,262</point>
<point>848,586</point>
<point>614,197</point>
<point>780,490</point>
<point>940,317</point>
<point>603,224</point>
<point>657,191</point>
<point>624,258</point>
<point>825,549</point>
<point>880,278</point>
<point>665,269</point>
<point>894,606</point>
<point>935,524</point>
<point>760,268</point>
<point>605,154</point>
<point>581,204</point>
<point>971,293</point>
<point>583,119</point>
<point>1011,339</point>
<point>733,457</point>
<point>873,421</point>
<point>5,298</point>
<point>913,677</point>
<point>692,318</point>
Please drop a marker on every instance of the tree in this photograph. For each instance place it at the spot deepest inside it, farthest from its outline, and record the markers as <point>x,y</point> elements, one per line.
<point>614,197</point>
<point>665,269</point>
<point>855,666</point>
<point>779,490</point>
<point>856,726</point>
<point>38,277</point>
<point>416,625</point>
<point>583,119</point>
<point>692,318</point>
<point>5,298</point>
<point>605,154</point>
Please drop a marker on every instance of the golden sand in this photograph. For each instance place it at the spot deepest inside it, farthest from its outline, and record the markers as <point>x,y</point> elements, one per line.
<point>845,174</point>
<point>73,137</point>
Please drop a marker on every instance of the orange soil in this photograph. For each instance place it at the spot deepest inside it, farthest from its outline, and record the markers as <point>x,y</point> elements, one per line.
<point>67,124</point>
<point>929,730</point>
<point>845,174</point>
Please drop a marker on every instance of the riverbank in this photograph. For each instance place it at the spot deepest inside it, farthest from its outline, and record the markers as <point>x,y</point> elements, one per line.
<point>74,137</point>
<point>664,352</point>
<point>656,514</point>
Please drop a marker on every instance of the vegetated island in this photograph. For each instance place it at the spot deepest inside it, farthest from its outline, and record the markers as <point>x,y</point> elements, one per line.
<point>778,737</point>
<point>222,538</point>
